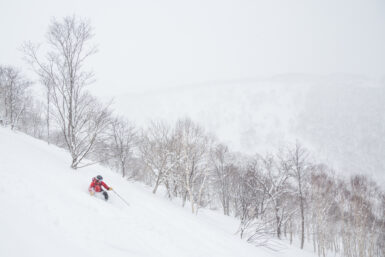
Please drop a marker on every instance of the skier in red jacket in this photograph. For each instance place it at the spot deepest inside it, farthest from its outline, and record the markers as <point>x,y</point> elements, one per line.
<point>97,185</point>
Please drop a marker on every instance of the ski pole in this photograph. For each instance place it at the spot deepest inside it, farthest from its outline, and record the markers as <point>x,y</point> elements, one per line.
<point>121,197</point>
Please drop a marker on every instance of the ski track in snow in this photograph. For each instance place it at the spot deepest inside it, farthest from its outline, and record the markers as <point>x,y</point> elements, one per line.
<point>46,211</point>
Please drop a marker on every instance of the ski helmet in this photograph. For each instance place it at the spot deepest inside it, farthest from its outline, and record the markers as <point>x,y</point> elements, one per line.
<point>98,177</point>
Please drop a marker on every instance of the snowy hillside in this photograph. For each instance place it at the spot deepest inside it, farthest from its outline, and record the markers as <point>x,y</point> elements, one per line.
<point>340,118</point>
<point>47,211</point>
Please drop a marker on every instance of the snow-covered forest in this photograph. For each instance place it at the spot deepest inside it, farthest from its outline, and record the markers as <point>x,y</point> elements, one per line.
<point>288,193</point>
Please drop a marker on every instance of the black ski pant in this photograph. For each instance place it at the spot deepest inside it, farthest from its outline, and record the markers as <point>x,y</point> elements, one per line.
<point>105,195</point>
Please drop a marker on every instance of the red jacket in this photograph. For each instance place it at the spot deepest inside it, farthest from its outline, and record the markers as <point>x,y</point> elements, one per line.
<point>96,185</point>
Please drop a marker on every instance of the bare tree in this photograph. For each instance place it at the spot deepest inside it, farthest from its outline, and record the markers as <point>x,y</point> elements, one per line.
<point>47,83</point>
<point>80,117</point>
<point>251,201</point>
<point>300,168</point>
<point>220,162</point>
<point>193,165</point>
<point>32,120</point>
<point>267,200</point>
<point>275,183</point>
<point>13,90</point>
<point>123,141</point>
<point>156,151</point>
<point>323,207</point>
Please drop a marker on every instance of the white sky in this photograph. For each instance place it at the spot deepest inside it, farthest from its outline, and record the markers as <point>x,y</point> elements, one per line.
<point>146,45</point>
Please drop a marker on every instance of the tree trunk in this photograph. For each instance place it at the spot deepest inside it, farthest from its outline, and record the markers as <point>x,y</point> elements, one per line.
<point>192,202</point>
<point>302,227</point>
<point>157,183</point>
<point>302,213</point>
<point>184,198</point>
<point>74,164</point>
<point>48,105</point>
<point>11,106</point>
<point>123,169</point>
<point>278,223</point>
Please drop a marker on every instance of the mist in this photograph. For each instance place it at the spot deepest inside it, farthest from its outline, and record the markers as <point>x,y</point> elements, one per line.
<point>218,62</point>
<point>150,45</point>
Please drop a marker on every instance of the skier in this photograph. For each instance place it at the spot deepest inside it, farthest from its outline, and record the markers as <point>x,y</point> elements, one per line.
<point>96,186</point>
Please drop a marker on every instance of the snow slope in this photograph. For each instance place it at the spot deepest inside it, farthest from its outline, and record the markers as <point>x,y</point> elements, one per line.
<point>47,211</point>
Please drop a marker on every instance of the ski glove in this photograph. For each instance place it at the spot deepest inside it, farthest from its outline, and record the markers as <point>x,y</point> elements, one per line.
<point>109,189</point>
<point>91,192</point>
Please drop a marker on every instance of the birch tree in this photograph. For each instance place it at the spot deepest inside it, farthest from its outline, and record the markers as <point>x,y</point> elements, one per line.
<point>222,169</point>
<point>80,117</point>
<point>156,151</point>
<point>47,84</point>
<point>124,138</point>
<point>13,90</point>
<point>300,168</point>
<point>324,209</point>
<point>274,183</point>
<point>193,165</point>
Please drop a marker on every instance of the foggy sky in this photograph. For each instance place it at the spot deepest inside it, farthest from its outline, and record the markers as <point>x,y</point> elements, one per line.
<point>145,45</point>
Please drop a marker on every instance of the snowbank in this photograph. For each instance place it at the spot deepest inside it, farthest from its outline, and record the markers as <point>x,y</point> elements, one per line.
<point>47,211</point>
